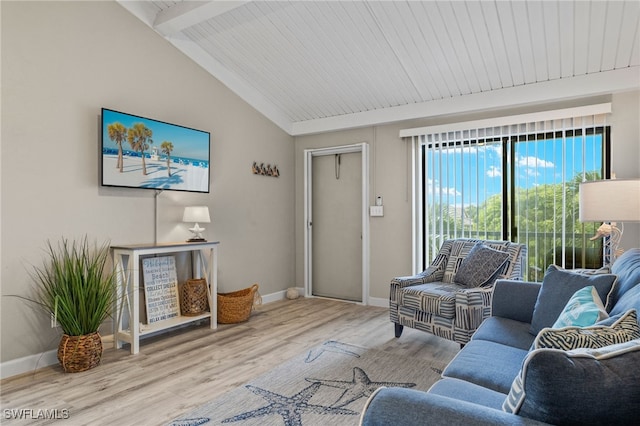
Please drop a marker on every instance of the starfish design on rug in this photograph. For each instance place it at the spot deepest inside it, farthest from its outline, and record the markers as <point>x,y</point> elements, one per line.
<point>360,386</point>
<point>191,422</point>
<point>290,408</point>
<point>436,370</point>
<point>330,346</point>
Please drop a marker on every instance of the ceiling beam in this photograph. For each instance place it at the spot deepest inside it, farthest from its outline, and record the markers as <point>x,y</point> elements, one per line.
<point>601,83</point>
<point>188,13</point>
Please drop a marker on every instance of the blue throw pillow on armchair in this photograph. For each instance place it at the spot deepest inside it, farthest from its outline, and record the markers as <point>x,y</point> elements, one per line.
<point>558,285</point>
<point>481,265</point>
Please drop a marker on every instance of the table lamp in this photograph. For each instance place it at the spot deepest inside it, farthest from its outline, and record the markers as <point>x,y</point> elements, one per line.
<point>196,214</point>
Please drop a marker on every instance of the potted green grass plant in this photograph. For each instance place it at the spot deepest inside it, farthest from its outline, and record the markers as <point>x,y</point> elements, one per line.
<point>76,288</point>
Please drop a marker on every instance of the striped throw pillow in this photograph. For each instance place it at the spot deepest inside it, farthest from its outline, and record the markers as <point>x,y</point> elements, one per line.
<point>594,337</point>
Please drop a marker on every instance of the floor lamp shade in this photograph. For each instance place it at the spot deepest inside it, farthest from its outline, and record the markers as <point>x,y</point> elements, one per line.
<point>616,200</point>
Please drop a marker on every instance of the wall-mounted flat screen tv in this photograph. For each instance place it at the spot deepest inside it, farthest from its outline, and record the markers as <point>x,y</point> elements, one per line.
<point>139,152</point>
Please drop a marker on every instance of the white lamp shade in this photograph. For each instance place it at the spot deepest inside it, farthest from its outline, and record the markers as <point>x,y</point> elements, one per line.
<point>196,214</point>
<point>616,200</point>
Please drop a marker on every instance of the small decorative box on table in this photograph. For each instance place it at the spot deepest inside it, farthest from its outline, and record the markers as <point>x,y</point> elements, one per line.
<point>127,264</point>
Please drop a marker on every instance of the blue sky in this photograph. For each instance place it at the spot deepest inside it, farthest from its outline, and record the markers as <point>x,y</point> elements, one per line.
<point>469,175</point>
<point>187,143</point>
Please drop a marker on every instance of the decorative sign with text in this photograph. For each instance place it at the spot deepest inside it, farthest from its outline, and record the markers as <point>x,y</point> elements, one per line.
<point>160,288</point>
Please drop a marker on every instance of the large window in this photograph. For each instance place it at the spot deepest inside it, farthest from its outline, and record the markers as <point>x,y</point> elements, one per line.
<point>517,183</point>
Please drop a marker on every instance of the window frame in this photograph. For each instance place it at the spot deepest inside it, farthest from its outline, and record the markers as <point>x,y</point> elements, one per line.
<point>508,144</point>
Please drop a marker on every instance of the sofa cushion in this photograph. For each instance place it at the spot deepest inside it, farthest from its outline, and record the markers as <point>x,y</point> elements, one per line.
<point>436,298</point>
<point>506,292</point>
<point>582,386</point>
<point>505,331</point>
<point>466,391</point>
<point>481,265</point>
<point>558,285</point>
<point>623,330</point>
<point>583,309</point>
<point>627,268</point>
<point>629,300</point>
<point>487,364</point>
<point>609,321</point>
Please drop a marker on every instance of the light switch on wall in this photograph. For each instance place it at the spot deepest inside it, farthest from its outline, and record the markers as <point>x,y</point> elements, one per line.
<point>376,211</point>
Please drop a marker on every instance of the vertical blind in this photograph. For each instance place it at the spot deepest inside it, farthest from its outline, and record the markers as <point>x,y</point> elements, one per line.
<point>513,178</point>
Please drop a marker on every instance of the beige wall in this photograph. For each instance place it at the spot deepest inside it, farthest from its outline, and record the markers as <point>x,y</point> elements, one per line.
<point>390,177</point>
<point>62,62</point>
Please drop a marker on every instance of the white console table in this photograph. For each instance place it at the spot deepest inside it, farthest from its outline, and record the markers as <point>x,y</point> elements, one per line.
<point>126,261</point>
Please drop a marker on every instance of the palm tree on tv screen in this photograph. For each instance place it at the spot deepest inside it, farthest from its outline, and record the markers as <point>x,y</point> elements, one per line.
<point>118,134</point>
<point>166,148</point>
<point>139,137</point>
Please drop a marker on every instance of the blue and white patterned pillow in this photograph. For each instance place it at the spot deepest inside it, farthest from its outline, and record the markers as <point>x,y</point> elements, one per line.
<point>480,266</point>
<point>585,308</point>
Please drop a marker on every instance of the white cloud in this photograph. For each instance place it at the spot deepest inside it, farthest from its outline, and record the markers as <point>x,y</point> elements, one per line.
<point>497,148</point>
<point>534,162</point>
<point>451,191</point>
<point>441,190</point>
<point>494,172</point>
<point>444,191</point>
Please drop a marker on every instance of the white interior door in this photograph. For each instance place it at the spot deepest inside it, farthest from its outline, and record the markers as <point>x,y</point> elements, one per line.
<point>337,232</point>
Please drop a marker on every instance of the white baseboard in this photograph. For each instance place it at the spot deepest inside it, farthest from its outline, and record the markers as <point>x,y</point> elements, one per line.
<point>379,302</point>
<point>45,359</point>
<point>279,295</point>
<point>28,363</point>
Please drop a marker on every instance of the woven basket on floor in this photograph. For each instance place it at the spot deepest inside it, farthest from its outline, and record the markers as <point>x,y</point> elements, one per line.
<point>80,353</point>
<point>236,306</point>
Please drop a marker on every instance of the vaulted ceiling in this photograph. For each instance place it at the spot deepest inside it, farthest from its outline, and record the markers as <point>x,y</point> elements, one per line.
<point>316,66</point>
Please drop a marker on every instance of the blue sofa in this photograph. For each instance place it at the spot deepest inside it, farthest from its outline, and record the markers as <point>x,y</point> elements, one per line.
<point>504,377</point>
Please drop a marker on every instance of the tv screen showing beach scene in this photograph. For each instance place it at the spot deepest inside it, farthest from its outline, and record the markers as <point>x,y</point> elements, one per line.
<point>139,152</point>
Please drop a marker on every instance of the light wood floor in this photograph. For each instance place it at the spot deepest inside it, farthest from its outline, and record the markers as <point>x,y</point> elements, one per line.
<point>178,371</point>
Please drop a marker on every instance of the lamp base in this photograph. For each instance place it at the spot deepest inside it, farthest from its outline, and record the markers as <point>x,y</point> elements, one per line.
<point>196,232</point>
<point>196,240</point>
<point>611,236</point>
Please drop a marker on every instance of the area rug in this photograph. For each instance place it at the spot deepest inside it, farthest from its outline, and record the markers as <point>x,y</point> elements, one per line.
<point>327,385</point>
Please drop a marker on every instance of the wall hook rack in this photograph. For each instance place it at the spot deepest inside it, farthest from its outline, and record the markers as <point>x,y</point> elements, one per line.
<point>263,170</point>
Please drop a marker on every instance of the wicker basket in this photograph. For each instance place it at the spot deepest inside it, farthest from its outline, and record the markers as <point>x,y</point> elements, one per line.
<point>195,299</point>
<point>236,306</point>
<point>79,353</point>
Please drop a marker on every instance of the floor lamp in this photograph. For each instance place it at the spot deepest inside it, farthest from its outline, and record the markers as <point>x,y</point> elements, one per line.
<point>610,201</point>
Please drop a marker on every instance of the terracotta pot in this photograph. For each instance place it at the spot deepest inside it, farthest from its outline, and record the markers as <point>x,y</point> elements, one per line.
<point>80,353</point>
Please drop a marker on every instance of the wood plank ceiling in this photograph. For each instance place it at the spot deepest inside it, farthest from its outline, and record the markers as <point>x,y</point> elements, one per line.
<point>314,66</point>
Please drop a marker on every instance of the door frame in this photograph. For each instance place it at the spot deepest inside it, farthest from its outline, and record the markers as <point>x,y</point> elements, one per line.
<point>363,149</point>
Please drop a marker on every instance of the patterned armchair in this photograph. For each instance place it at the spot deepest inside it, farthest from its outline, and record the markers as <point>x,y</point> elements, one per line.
<point>453,295</point>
